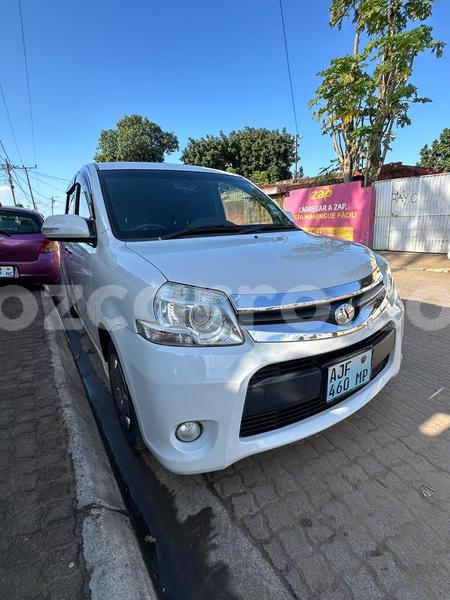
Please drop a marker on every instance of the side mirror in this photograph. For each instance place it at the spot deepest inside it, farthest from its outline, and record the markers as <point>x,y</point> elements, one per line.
<point>289,215</point>
<point>67,228</point>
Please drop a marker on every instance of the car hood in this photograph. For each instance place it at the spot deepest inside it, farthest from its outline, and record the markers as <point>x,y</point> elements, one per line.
<point>265,264</point>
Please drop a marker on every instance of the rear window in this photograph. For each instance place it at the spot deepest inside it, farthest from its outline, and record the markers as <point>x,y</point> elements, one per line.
<point>18,222</point>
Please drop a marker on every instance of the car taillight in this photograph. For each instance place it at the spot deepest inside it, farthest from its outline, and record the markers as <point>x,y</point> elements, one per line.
<point>48,246</point>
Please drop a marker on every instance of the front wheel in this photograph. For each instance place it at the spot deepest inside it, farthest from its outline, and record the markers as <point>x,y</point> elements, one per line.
<point>123,402</point>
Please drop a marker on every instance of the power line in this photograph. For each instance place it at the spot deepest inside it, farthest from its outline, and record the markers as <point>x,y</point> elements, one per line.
<point>23,167</point>
<point>28,80</point>
<point>35,191</point>
<point>8,168</point>
<point>26,169</point>
<point>4,151</point>
<point>55,201</point>
<point>288,66</point>
<point>10,123</point>
<point>294,109</point>
<point>17,182</point>
<point>48,184</point>
<point>52,177</point>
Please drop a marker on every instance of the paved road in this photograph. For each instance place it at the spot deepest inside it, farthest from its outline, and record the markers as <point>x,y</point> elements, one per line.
<point>40,544</point>
<point>360,511</point>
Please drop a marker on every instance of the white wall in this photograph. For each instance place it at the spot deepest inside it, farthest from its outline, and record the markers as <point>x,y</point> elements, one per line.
<point>413,214</point>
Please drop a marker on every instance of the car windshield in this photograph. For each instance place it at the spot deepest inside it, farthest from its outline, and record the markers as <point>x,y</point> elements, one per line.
<point>151,203</point>
<point>12,222</point>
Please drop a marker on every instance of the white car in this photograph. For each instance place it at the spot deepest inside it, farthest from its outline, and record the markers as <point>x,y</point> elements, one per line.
<point>225,329</point>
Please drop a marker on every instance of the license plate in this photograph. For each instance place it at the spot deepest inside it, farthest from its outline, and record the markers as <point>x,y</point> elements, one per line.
<point>6,272</point>
<point>349,374</point>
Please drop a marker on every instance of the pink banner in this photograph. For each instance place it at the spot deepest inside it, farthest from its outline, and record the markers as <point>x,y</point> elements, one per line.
<point>344,210</point>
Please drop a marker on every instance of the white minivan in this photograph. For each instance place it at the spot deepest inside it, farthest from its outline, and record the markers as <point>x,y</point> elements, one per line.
<point>225,329</point>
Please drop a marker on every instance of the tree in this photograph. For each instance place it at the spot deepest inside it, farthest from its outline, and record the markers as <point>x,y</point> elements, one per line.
<point>438,156</point>
<point>262,155</point>
<point>364,95</point>
<point>135,138</point>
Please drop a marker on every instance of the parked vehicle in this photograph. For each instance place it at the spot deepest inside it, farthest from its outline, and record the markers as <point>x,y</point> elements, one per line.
<point>26,255</point>
<point>225,329</point>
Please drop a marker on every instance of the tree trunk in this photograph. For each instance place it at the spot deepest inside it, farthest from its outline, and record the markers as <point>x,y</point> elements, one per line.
<point>347,169</point>
<point>356,43</point>
<point>375,160</point>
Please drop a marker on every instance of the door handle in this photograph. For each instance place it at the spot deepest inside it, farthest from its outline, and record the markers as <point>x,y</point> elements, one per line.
<point>68,252</point>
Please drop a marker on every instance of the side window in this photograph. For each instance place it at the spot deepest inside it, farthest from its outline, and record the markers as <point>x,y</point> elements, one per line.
<point>84,204</point>
<point>71,202</point>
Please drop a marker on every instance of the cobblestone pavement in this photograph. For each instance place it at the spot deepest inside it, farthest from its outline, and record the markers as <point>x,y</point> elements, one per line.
<point>361,510</point>
<point>40,544</point>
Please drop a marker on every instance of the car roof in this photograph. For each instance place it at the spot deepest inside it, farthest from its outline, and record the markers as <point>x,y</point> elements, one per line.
<point>27,211</point>
<point>109,166</point>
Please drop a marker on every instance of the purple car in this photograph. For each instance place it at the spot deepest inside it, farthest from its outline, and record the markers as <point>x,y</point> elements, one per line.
<point>25,253</point>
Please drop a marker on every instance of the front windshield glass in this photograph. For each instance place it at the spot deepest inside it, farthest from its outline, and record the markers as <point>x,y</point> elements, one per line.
<point>148,203</point>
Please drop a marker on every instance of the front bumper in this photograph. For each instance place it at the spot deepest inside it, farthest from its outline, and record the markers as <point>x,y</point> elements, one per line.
<point>170,385</point>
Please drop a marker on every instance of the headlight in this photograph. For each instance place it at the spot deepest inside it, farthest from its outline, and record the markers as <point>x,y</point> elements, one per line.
<point>191,316</point>
<point>391,292</point>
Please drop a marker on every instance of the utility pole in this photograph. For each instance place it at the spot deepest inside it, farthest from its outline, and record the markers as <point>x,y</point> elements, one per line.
<point>52,200</point>
<point>26,169</point>
<point>29,185</point>
<point>296,159</point>
<point>8,168</point>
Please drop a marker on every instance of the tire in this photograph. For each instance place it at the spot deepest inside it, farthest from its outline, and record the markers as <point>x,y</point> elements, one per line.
<point>123,403</point>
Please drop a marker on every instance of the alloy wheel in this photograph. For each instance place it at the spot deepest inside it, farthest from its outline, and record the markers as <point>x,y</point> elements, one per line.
<point>120,393</point>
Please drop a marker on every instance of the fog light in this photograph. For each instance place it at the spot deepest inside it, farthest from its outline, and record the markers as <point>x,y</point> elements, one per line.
<point>189,431</point>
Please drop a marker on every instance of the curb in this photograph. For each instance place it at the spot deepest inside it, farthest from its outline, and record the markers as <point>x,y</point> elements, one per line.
<point>113,559</point>
<point>421,269</point>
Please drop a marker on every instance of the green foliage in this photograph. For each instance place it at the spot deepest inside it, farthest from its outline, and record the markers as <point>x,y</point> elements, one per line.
<point>373,16</point>
<point>262,155</point>
<point>438,156</point>
<point>364,95</point>
<point>209,151</point>
<point>135,139</point>
<point>330,178</point>
<point>260,177</point>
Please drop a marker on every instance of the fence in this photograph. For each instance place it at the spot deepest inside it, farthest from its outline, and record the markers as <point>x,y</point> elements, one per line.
<point>413,214</point>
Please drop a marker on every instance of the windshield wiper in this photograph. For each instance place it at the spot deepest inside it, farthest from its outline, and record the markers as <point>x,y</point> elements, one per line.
<point>201,229</point>
<point>5,233</point>
<point>261,228</point>
<point>237,229</point>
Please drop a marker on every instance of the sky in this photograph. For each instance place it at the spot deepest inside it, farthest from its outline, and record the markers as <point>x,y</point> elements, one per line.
<point>194,67</point>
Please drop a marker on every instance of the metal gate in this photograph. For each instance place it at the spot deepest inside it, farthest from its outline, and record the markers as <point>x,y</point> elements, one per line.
<point>413,214</point>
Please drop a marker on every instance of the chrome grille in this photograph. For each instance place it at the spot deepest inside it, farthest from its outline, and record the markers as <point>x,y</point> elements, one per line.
<point>317,312</point>
<point>310,315</point>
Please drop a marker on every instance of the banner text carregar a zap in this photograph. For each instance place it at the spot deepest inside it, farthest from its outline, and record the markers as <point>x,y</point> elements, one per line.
<point>344,210</point>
